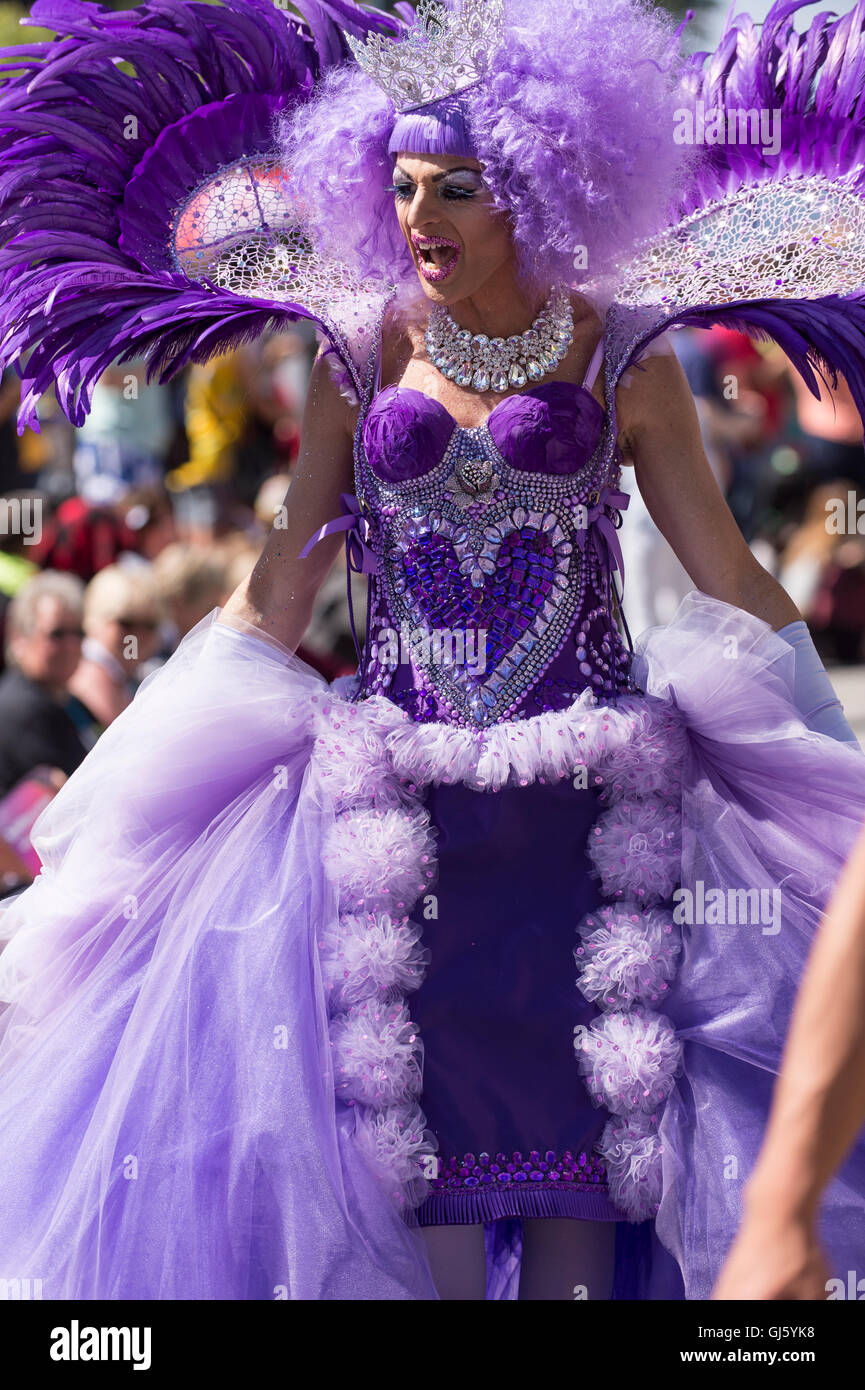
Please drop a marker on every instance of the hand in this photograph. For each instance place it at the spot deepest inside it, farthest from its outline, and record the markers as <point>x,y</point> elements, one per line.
<point>777,1260</point>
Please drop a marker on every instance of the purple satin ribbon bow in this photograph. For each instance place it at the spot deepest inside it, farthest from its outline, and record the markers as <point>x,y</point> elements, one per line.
<point>359,558</point>
<point>603,531</point>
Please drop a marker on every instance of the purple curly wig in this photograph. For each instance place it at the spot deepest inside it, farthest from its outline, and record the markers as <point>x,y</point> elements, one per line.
<point>574,127</point>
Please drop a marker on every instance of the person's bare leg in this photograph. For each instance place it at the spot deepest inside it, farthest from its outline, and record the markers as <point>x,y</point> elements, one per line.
<point>567,1260</point>
<point>458,1261</point>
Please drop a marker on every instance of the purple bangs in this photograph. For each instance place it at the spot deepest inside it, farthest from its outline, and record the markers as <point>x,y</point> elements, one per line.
<point>440,127</point>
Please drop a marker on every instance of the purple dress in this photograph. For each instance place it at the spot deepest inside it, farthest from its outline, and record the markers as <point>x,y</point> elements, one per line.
<point>480,530</point>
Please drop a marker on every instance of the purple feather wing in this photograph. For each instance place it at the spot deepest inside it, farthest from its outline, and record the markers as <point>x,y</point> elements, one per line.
<point>770,234</point>
<point>142,212</point>
<point>821,337</point>
<point>813,79</point>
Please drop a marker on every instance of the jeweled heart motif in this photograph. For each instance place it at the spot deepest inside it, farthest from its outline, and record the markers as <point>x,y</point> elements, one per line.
<point>506,604</point>
<point>503,583</point>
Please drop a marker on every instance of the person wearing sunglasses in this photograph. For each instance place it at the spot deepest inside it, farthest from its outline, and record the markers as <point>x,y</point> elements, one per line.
<point>44,634</point>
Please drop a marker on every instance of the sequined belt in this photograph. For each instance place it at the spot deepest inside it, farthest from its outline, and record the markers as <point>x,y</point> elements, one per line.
<point>512,1170</point>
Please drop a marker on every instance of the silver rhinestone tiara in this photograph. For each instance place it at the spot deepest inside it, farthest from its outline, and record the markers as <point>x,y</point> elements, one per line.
<point>442,53</point>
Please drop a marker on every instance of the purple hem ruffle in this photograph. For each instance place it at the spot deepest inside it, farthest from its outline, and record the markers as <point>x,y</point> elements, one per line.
<point>470,1208</point>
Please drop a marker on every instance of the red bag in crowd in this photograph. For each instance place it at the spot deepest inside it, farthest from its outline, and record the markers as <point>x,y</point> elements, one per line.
<point>82,539</point>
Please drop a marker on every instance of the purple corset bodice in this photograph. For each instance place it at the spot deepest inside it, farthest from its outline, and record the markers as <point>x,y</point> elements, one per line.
<point>493,548</point>
<point>549,429</point>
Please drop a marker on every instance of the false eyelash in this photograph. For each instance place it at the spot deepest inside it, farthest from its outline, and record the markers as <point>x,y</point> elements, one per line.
<point>456,194</point>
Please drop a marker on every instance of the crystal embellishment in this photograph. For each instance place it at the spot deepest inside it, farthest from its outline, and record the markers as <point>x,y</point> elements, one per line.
<point>506,564</point>
<point>496,363</point>
<point>795,238</point>
<point>495,584</point>
<point>443,52</point>
<point>535,1169</point>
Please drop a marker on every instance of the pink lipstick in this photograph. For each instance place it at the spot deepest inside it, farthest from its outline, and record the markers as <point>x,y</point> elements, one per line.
<point>437,256</point>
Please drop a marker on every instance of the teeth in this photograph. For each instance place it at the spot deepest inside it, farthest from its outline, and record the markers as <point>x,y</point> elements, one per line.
<point>427,243</point>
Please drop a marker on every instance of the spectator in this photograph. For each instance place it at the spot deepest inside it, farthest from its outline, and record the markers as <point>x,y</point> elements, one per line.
<point>190,581</point>
<point>21,516</point>
<point>275,370</point>
<point>15,874</point>
<point>39,723</point>
<point>823,571</point>
<point>830,431</point>
<point>822,441</point>
<point>148,515</point>
<point>11,475</point>
<point>121,623</point>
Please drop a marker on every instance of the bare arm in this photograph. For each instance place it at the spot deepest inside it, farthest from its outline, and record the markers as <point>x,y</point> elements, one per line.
<point>660,434</point>
<point>817,1111</point>
<point>278,596</point>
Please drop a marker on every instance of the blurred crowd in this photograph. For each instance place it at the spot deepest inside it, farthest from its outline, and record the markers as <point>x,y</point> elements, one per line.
<point>117,538</point>
<point>792,467</point>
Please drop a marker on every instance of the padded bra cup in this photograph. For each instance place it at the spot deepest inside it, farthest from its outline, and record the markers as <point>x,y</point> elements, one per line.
<point>553,428</point>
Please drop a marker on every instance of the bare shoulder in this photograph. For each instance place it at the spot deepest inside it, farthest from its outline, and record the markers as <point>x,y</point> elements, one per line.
<point>588,330</point>
<point>330,395</point>
<point>652,393</point>
<point>332,398</point>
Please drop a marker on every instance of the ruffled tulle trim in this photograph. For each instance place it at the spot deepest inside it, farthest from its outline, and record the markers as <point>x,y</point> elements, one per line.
<point>636,745</point>
<point>374,763</point>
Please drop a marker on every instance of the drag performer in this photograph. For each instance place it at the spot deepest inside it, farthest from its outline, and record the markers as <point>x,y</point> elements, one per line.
<point>469,975</point>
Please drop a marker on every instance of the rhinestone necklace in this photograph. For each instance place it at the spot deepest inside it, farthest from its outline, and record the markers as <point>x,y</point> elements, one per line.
<point>484,364</point>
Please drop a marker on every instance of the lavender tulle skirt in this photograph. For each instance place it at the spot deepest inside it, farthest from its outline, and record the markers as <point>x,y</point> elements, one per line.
<point>210,1079</point>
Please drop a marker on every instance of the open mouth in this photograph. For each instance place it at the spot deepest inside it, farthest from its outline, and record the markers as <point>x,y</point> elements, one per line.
<point>437,256</point>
